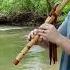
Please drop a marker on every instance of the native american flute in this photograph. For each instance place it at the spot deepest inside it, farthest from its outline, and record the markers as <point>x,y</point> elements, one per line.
<point>49,20</point>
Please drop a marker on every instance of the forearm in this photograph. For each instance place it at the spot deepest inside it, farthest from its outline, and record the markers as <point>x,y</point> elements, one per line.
<point>64,43</point>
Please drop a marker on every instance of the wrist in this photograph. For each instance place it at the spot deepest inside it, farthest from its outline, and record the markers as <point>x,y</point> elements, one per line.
<point>60,40</point>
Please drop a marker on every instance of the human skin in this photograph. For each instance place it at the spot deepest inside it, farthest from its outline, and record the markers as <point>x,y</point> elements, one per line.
<point>48,32</point>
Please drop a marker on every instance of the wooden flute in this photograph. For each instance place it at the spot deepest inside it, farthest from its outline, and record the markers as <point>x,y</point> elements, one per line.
<point>49,20</point>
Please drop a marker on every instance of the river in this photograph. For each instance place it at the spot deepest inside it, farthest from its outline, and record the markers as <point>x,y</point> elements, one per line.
<point>12,40</point>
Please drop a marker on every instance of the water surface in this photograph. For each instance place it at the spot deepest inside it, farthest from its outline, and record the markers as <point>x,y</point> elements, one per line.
<point>11,43</point>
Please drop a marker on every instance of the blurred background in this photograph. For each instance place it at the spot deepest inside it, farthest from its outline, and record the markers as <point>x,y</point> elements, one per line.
<point>17,19</point>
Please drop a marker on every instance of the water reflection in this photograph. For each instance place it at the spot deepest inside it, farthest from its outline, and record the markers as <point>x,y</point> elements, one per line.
<point>36,59</point>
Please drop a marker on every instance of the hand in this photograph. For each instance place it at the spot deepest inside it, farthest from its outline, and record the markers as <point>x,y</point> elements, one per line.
<point>41,41</point>
<point>49,32</point>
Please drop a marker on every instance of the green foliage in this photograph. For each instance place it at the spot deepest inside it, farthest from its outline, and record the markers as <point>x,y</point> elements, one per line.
<point>38,6</point>
<point>67,8</point>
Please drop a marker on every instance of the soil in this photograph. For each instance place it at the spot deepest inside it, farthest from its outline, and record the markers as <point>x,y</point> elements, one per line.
<point>22,19</point>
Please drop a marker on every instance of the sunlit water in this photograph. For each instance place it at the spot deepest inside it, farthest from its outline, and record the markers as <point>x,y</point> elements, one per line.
<point>12,40</point>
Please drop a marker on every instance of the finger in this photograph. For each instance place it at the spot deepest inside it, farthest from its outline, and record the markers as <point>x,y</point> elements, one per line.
<point>35,31</point>
<point>40,39</point>
<point>42,34</point>
<point>40,31</point>
<point>29,37</point>
<point>43,27</point>
<point>43,42</point>
<point>32,34</point>
<point>43,38</point>
<point>43,31</point>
